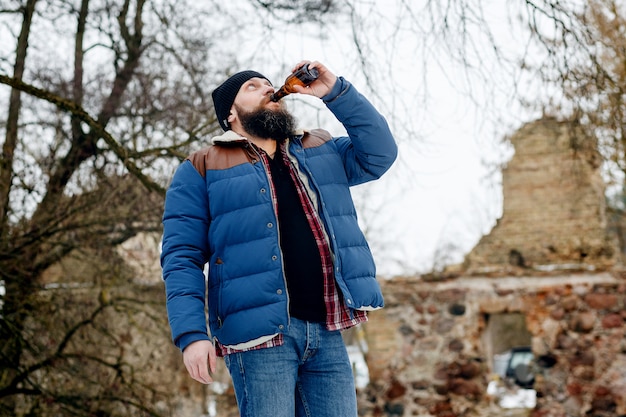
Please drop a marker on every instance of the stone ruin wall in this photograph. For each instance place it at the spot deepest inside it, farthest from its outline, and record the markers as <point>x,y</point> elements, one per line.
<point>430,351</point>
<point>554,210</point>
<point>430,355</point>
<point>551,260</point>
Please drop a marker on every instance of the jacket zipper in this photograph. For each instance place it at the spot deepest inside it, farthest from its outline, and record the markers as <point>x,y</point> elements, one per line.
<point>268,176</point>
<point>219,263</point>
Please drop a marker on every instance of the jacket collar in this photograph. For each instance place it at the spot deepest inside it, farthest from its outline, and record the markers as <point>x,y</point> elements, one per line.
<point>231,137</point>
<point>228,137</point>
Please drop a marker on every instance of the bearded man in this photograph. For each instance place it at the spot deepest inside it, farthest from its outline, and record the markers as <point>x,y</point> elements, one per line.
<point>269,210</point>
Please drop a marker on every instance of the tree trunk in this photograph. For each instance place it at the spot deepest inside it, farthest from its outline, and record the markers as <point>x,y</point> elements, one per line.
<point>8,149</point>
<point>18,286</point>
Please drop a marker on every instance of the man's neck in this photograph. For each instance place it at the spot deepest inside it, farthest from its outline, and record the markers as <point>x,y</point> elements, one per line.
<point>268,145</point>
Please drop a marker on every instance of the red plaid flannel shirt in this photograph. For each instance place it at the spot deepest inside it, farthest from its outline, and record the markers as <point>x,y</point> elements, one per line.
<point>337,314</point>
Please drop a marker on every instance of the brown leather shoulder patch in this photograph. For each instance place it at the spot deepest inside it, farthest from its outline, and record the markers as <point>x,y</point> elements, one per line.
<point>315,137</point>
<point>218,157</point>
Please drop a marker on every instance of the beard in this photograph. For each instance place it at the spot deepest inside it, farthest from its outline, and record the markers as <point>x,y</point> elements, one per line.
<point>265,123</point>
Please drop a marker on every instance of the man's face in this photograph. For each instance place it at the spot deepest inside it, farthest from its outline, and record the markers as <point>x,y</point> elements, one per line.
<point>258,115</point>
<point>255,93</point>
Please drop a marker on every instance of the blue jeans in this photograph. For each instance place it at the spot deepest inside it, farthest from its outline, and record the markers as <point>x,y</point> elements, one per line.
<point>308,376</point>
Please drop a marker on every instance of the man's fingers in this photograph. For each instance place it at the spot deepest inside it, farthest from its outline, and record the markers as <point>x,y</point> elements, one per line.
<point>197,357</point>
<point>199,372</point>
<point>203,374</point>
<point>212,361</point>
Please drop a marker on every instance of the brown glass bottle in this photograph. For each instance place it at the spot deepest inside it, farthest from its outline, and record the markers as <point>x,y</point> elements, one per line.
<point>303,76</point>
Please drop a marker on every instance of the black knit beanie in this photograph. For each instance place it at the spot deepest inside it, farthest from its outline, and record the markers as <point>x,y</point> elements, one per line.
<point>224,95</point>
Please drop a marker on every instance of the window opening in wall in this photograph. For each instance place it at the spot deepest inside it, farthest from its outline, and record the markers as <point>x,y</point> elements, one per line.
<point>507,343</point>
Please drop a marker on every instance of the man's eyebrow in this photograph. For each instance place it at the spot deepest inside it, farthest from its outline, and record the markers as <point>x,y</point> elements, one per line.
<point>258,81</point>
<point>261,80</point>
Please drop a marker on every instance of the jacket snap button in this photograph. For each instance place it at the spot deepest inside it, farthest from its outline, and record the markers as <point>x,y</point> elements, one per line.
<point>274,257</point>
<point>263,190</point>
<point>349,301</point>
<point>270,225</point>
<point>281,327</point>
<point>279,291</point>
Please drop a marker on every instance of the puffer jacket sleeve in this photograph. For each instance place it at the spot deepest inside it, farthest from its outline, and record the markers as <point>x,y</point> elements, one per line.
<point>184,253</point>
<point>370,149</point>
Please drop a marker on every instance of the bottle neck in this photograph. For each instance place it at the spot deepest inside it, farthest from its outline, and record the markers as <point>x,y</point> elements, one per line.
<point>280,93</point>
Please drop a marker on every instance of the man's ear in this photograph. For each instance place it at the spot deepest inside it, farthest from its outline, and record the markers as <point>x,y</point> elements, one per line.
<point>232,115</point>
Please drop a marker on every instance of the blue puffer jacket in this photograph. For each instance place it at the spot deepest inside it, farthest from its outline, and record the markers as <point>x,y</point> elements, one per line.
<point>218,210</point>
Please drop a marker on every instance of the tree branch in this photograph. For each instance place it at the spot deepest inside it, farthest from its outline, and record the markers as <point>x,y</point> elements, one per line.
<point>71,107</point>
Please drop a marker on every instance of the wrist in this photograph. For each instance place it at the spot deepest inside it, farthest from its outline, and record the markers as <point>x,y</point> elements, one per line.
<point>185,340</point>
<point>337,89</point>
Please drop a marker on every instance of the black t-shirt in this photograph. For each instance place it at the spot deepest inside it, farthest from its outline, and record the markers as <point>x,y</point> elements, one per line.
<point>301,256</point>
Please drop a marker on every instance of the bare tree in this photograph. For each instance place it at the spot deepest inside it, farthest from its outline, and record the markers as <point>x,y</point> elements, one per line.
<point>103,97</point>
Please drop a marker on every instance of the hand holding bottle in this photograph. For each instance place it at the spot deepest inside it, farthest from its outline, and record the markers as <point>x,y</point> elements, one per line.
<point>307,77</point>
